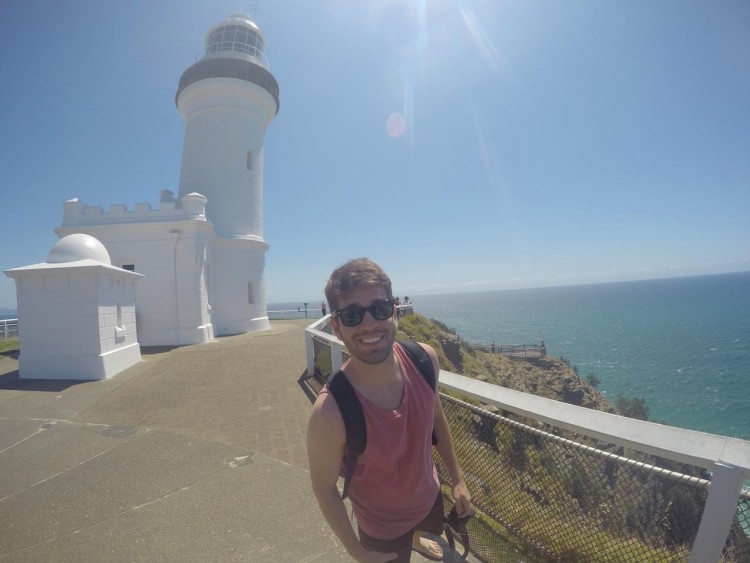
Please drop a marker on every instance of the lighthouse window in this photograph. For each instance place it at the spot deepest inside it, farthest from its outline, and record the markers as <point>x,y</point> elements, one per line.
<point>250,295</point>
<point>249,160</point>
<point>235,38</point>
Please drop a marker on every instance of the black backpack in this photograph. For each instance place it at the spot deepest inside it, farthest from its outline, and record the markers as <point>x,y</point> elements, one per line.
<point>354,418</point>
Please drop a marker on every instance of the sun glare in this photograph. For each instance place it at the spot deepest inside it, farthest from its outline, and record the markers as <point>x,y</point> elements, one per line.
<point>435,50</point>
<point>483,43</point>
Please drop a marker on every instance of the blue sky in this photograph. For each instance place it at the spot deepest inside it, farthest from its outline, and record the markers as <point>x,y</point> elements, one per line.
<point>543,143</point>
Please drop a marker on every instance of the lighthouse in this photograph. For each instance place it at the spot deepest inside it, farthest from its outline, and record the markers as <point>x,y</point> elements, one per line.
<point>226,100</point>
<point>201,254</point>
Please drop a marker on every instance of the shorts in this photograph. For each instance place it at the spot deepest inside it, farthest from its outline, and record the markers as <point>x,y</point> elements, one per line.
<point>432,523</point>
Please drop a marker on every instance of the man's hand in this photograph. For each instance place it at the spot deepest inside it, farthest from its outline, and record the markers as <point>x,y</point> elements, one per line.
<point>462,498</point>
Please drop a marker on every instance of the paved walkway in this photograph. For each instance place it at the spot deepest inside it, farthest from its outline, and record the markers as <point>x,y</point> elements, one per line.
<point>195,454</point>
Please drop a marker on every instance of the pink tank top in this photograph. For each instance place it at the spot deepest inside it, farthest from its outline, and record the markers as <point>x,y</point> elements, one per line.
<point>395,483</point>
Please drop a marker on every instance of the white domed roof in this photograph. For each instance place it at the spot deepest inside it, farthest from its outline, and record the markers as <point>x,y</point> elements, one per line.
<point>78,247</point>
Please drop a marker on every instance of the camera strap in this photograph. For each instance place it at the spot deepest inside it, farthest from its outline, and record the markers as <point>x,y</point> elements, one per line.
<point>458,525</point>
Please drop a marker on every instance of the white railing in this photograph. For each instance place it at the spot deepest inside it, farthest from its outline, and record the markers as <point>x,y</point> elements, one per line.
<point>282,314</point>
<point>9,328</point>
<point>405,310</point>
<point>728,459</point>
<point>310,312</point>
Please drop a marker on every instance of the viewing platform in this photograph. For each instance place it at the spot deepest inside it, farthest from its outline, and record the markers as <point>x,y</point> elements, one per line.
<point>525,351</point>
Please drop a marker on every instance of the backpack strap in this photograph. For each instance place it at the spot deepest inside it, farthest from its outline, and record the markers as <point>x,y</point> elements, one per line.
<point>354,425</point>
<point>423,362</point>
<point>354,418</point>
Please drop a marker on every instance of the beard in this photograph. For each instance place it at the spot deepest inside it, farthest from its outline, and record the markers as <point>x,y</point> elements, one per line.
<point>375,353</point>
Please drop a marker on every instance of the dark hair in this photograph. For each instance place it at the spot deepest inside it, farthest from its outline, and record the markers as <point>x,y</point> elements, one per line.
<point>358,272</point>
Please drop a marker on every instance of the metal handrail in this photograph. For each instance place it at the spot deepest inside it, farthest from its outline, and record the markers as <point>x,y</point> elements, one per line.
<point>8,327</point>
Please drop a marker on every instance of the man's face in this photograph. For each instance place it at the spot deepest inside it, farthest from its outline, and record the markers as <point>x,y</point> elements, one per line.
<point>371,341</point>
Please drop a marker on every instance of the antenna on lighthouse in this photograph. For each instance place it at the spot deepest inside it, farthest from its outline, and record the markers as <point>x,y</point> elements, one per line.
<point>253,12</point>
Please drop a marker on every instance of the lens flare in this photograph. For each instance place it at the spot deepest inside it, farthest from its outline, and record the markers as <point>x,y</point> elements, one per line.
<point>395,125</point>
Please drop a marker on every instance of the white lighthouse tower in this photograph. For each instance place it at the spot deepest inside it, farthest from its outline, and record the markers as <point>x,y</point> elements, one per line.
<point>226,100</point>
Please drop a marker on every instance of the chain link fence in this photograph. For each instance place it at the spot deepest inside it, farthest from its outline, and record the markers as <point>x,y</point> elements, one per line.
<point>561,498</point>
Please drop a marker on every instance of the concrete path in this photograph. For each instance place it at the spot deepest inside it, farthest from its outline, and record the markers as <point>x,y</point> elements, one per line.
<point>195,454</point>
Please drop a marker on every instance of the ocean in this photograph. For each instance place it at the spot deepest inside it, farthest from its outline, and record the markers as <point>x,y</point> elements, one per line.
<point>683,344</point>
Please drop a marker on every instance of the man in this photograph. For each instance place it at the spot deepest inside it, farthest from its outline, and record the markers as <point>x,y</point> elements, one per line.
<point>395,493</point>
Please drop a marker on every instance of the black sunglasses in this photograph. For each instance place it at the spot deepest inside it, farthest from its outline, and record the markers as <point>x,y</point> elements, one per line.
<point>354,314</point>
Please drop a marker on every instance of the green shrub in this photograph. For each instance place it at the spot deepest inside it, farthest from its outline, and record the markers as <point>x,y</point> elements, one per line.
<point>632,407</point>
<point>593,380</point>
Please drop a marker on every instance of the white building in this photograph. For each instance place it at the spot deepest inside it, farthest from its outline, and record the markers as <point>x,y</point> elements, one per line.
<point>202,253</point>
<point>77,313</point>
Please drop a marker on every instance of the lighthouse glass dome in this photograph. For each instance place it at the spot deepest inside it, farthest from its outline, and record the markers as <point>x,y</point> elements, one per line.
<point>237,36</point>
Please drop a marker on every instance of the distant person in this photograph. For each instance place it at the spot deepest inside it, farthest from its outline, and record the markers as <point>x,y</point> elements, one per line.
<point>398,308</point>
<point>323,308</point>
<point>395,492</point>
<point>406,300</point>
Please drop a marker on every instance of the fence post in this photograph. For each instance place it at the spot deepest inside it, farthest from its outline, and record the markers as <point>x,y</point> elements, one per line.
<point>337,357</point>
<point>720,509</point>
<point>310,351</point>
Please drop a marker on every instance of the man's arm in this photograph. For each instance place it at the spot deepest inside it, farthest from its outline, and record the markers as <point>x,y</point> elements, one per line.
<point>326,438</point>
<point>459,490</point>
